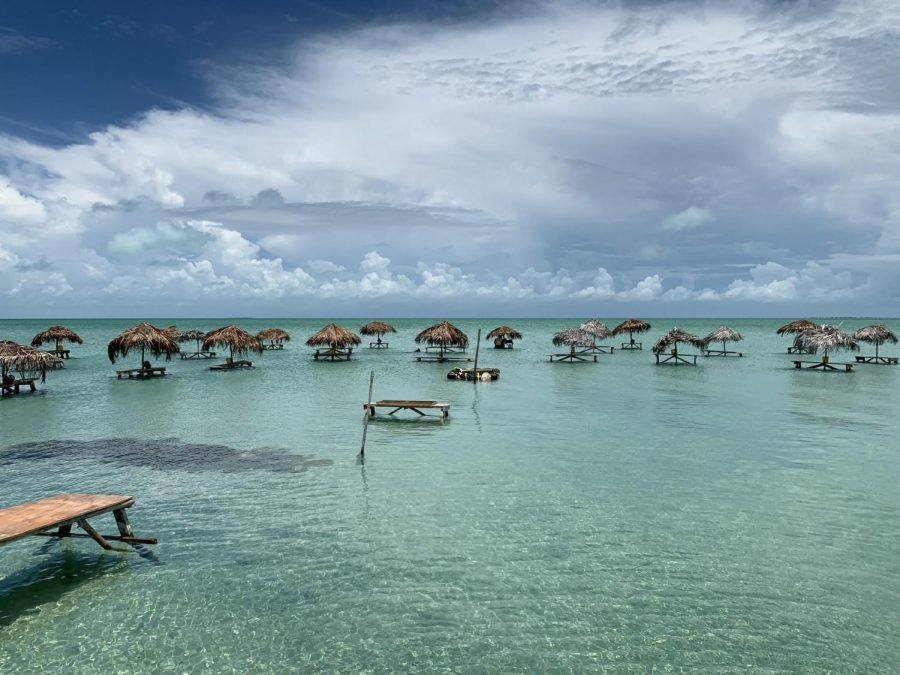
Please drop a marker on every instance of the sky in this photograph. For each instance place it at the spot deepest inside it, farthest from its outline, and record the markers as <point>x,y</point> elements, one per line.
<point>351,158</point>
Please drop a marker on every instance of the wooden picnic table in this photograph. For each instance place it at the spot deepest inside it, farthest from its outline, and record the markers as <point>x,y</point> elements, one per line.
<point>402,404</point>
<point>442,359</point>
<point>720,352</point>
<point>824,365</point>
<point>61,353</point>
<point>632,345</point>
<point>141,372</point>
<point>198,355</point>
<point>14,386</point>
<point>572,358</point>
<point>232,365</point>
<point>54,516</point>
<point>333,354</point>
<point>675,359</point>
<point>884,360</point>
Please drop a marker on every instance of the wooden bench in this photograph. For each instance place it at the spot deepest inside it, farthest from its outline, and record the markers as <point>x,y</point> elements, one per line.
<point>54,517</point>
<point>572,358</point>
<point>14,386</point>
<point>675,359</point>
<point>884,360</point>
<point>720,352</point>
<point>232,366</point>
<point>397,405</point>
<point>198,355</point>
<point>848,367</point>
<point>140,372</point>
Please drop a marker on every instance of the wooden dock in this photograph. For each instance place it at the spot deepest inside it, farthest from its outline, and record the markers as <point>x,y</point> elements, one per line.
<point>198,355</point>
<point>882,360</point>
<point>824,365</point>
<point>677,359</point>
<point>54,517</point>
<point>140,372</point>
<point>14,386</point>
<point>233,365</point>
<point>720,352</point>
<point>415,406</point>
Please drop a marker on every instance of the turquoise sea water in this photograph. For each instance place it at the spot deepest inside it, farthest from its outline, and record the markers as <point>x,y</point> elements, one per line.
<point>735,516</point>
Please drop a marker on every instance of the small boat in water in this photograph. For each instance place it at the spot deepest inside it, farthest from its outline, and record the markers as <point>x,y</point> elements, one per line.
<point>484,374</point>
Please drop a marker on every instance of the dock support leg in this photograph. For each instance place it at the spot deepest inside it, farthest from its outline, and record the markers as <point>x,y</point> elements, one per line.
<point>122,523</point>
<point>96,536</point>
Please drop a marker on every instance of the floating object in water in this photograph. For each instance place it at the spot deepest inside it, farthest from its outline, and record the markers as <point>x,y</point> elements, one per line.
<point>483,374</point>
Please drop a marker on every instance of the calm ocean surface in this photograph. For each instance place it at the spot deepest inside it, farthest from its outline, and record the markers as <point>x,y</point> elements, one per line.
<point>737,516</point>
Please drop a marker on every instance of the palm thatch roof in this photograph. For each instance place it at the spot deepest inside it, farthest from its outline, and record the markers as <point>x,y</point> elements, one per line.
<point>334,336</point>
<point>504,332</point>
<point>377,328</point>
<point>443,334</point>
<point>595,328</point>
<point>673,337</point>
<point>631,326</point>
<point>25,360</point>
<point>826,337</point>
<point>236,339</point>
<point>171,331</point>
<point>274,335</point>
<point>192,334</point>
<point>876,334</point>
<point>572,337</point>
<point>723,334</point>
<point>144,337</point>
<point>56,334</point>
<point>796,326</point>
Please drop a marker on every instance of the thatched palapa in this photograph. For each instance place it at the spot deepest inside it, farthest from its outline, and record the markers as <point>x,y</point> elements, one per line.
<point>377,328</point>
<point>631,326</point>
<point>673,337</point>
<point>797,326</point>
<point>192,334</point>
<point>147,338</point>
<point>876,334</point>
<point>572,338</point>
<point>503,336</point>
<point>274,336</point>
<point>826,337</point>
<point>237,340</point>
<point>25,360</point>
<point>443,335</point>
<point>723,334</point>
<point>56,334</point>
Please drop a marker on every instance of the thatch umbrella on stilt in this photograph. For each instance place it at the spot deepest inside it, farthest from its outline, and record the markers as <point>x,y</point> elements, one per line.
<point>670,341</point>
<point>26,360</point>
<point>148,338</point>
<point>194,334</point>
<point>795,327</point>
<point>275,336</point>
<point>56,334</point>
<point>443,335</point>
<point>632,327</point>
<point>722,334</point>
<point>826,337</point>
<point>596,329</point>
<point>237,340</point>
<point>572,338</point>
<point>378,328</point>
<point>876,334</point>
<point>338,339</point>
<point>503,337</point>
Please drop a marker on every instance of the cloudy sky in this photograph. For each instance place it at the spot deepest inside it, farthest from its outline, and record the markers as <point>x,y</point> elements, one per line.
<point>292,158</point>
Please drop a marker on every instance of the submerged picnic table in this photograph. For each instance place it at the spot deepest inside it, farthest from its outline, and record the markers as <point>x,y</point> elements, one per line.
<point>333,354</point>
<point>13,387</point>
<point>141,372</point>
<point>720,352</point>
<point>61,353</point>
<point>408,405</point>
<point>676,358</point>
<point>427,358</point>
<point>54,517</point>
<point>883,360</point>
<point>572,357</point>
<point>198,355</point>
<point>824,365</point>
<point>632,345</point>
<point>232,365</point>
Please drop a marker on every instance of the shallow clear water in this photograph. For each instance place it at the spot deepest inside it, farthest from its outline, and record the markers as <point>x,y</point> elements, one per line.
<point>736,516</point>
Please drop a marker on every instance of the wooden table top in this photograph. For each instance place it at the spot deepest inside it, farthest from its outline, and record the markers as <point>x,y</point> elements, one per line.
<point>51,512</point>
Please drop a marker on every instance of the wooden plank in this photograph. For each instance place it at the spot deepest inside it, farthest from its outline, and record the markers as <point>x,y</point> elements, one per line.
<point>55,512</point>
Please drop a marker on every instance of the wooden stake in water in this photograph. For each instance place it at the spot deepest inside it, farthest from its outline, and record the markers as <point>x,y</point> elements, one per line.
<point>477,347</point>
<point>362,448</point>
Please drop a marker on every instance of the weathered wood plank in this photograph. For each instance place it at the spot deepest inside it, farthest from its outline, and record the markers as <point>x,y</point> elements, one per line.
<point>55,512</point>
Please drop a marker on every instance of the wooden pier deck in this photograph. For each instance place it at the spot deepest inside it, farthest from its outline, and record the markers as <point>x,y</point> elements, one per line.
<point>54,516</point>
<point>402,404</point>
<point>14,386</point>
<point>882,360</point>
<point>824,365</point>
<point>198,355</point>
<point>234,365</point>
<point>141,372</point>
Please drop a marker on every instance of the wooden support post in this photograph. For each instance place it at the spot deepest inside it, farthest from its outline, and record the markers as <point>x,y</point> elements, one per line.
<point>96,536</point>
<point>477,347</point>
<point>369,412</point>
<point>122,523</point>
